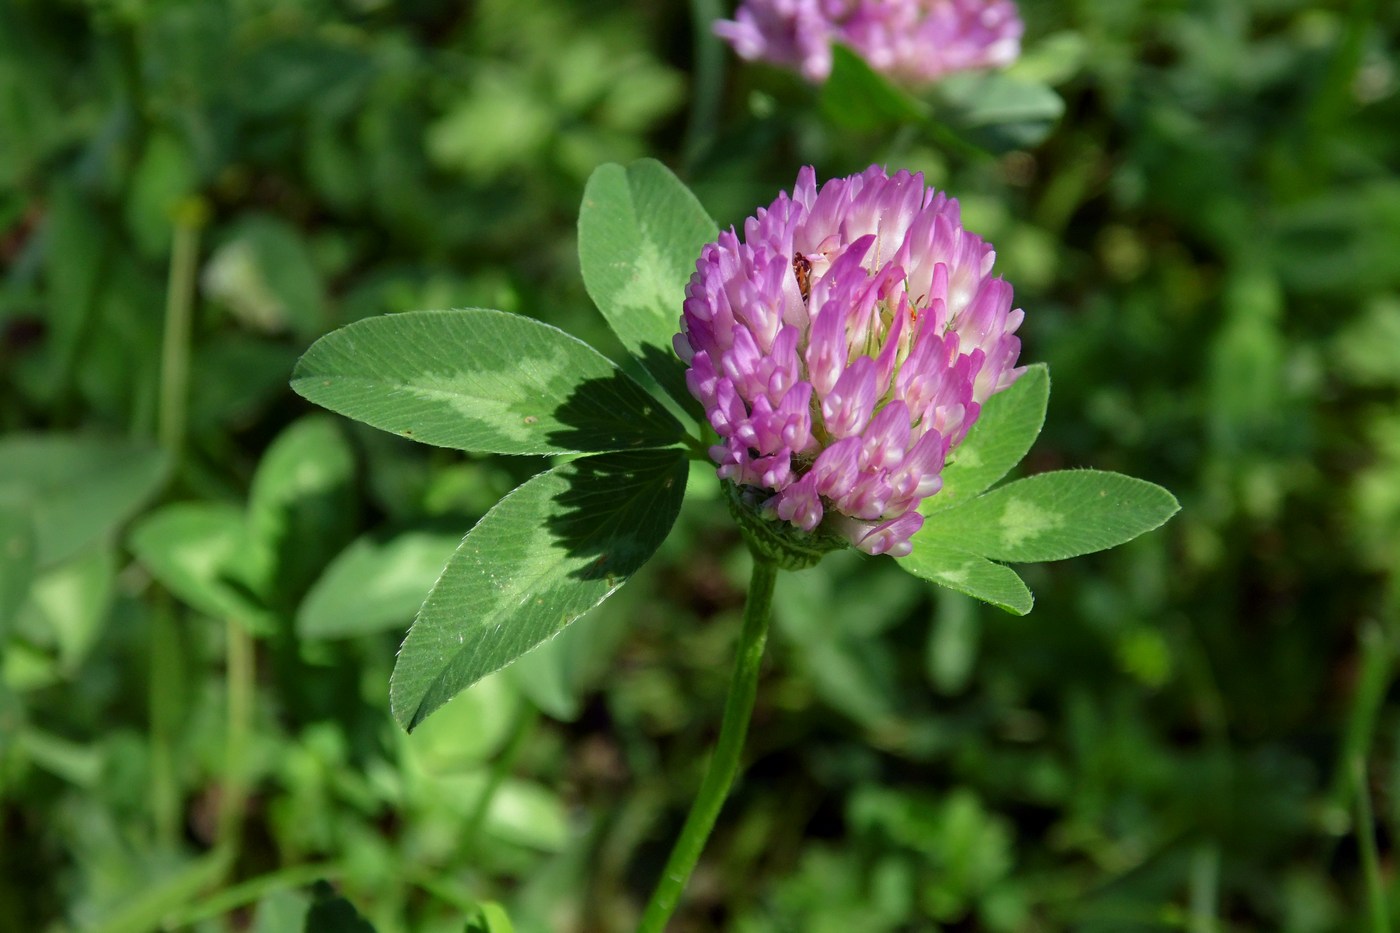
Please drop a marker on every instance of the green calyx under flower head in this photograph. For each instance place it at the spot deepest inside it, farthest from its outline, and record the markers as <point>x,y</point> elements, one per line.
<point>773,540</point>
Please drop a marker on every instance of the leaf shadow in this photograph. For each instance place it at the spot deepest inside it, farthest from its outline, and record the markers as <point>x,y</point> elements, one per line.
<point>617,509</point>
<point>593,417</point>
<point>668,371</point>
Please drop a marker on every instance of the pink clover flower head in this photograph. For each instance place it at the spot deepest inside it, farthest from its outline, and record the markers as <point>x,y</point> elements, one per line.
<point>843,347</point>
<point>911,41</point>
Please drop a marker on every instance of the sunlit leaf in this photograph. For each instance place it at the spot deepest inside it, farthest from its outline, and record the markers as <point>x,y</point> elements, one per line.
<point>528,814</point>
<point>1050,516</point>
<point>1008,426</point>
<point>969,574</point>
<point>481,380</point>
<point>640,231</point>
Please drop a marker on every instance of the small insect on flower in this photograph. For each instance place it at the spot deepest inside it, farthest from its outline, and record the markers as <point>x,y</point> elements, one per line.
<point>802,270</point>
<point>842,348</point>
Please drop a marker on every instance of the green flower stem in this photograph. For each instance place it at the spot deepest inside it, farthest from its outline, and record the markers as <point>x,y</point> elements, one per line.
<point>724,765</point>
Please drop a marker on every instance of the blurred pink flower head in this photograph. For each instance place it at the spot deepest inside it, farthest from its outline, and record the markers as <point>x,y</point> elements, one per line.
<point>843,347</point>
<point>911,41</point>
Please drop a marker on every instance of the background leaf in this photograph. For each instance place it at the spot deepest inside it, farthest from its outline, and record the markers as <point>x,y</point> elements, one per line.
<point>490,918</point>
<point>264,273</point>
<point>16,560</point>
<point>997,111</point>
<point>69,605</point>
<point>332,913</point>
<point>1051,516</point>
<point>77,488</point>
<point>376,583</point>
<point>468,731</point>
<point>481,380</point>
<point>557,675</point>
<point>301,508</point>
<point>548,552</point>
<point>200,551</point>
<point>857,96</point>
<point>967,573</point>
<point>73,262</point>
<point>1002,435</point>
<point>640,231</point>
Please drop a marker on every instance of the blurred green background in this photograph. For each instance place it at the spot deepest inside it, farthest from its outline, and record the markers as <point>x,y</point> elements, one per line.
<point>203,580</point>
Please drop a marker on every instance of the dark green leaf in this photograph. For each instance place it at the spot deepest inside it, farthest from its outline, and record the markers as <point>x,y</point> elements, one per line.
<point>481,380</point>
<point>857,97</point>
<point>969,574</point>
<point>238,375</point>
<point>332,913</point>
<point>1008,426</point>
<point>1051,516</point>
<point>375,584</point>
<point>78,489</point>
<point>640,231</point>
<point>280,74</point>
<point>1339,240</point>
<point>301,508</point>
<point>548,552</point>
<point>73,263</point>
<point>16,559</point>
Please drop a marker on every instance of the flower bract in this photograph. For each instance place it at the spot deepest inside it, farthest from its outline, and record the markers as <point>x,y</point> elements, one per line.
<point>912,41</point>
<point>843,347</point>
